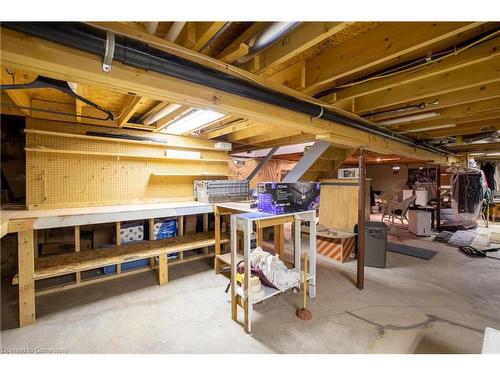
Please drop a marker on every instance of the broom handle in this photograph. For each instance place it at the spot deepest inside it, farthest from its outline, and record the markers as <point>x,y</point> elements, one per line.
<point>306,258</point>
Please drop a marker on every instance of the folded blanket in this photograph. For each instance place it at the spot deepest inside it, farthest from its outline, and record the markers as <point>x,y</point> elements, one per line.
<point>275,270</point>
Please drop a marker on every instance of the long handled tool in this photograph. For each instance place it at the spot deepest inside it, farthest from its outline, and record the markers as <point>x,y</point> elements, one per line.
<point>473,252</point>
<point>304,313</point>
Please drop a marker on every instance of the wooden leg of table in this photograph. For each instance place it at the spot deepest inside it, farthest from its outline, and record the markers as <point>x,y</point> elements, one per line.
<point>260,234</point>
<point>26,259</point>
<point>163,269</point>
<point>217,240</point>
<point>279,241</point>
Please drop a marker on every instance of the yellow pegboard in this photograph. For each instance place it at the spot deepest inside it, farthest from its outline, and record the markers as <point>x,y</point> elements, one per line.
<point>57,179</point>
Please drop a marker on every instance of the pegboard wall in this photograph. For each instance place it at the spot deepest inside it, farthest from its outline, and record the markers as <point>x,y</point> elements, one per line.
<point>67,168</point>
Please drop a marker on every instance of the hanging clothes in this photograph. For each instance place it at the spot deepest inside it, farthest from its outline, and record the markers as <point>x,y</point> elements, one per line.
<point>489,171</point>
<point>497,176</point>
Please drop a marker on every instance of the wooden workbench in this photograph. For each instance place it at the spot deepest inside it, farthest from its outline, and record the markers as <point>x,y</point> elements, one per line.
<point>25,223</point>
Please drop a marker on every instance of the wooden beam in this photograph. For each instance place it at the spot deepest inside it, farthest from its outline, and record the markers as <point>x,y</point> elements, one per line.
<point>250,131</point>
<point>196,34</point>
<point>229,128</point>
<point>254,29</point>
<point>234,53</point>
<point>57,61</point>
<point>19,97</point>
<point>464,129</point>
<point>129,108</point>
<point>172,116</point>
<point>293,76</point>
<point>305,36</point>
<point>463,110</point>
<point>26,260</point>
<point>385,43</point>
<point>470,56</point>
<point>488,116</point>
<point>459,79</point>
<point>454,98</point>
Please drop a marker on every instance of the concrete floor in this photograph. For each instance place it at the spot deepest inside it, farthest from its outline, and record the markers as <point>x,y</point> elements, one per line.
<point>413,306</point>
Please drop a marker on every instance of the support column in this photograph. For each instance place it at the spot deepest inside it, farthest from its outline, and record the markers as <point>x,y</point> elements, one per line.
<point>361,221</point>
<point>26,259</point>
<point>78,275</point>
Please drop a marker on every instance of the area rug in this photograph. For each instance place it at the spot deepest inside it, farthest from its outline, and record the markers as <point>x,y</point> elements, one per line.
<point>412,251</point>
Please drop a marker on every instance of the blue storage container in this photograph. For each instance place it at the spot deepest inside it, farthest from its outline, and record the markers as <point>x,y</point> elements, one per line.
<point>166,228</point>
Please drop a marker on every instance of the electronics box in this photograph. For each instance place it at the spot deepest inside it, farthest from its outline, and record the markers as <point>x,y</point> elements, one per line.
<point>348,173</point>
<point>281,197</point>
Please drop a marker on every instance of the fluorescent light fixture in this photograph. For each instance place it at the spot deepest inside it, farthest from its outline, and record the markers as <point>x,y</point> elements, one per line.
<point>400,120</point>
<point>161,113</point>
<point>180,154</point>
<point>431,128</point>
<point>195,119</point>
<point>493,154</point>
<point>477,153</point>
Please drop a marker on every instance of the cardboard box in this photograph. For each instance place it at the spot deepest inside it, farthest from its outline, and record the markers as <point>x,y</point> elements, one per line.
<point>280,198</point>
<point>131,232</point>
<point>103,235</point>
<point>57,248</point>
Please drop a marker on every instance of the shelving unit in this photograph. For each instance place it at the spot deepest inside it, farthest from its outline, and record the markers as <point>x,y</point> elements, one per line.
<point>241,295</point>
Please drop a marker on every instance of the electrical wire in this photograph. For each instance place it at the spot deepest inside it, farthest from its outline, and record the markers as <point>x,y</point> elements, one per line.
<point>427,62</point>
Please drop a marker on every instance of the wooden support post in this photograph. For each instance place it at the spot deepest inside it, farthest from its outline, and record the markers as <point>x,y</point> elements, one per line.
<point>118,243</point>
<point>217,248</point>
<point>78,276</point>
<point>361,221</point>
<point>205,229</point>
<point>26,259</point>
<point>438,193</point>
<point>162,269</point>
<point>151,238</point>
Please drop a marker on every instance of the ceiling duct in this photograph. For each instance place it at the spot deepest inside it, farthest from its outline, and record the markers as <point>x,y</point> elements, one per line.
<point>267,37</point>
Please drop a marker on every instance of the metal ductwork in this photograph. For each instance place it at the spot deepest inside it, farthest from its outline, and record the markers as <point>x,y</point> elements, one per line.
<point>140,55</point>
<point>267,37</point>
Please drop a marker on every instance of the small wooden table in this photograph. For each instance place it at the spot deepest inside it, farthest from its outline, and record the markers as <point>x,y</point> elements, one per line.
<point>242,295</point>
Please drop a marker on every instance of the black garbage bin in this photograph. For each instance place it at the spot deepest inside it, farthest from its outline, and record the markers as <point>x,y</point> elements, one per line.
<point>375,243</point>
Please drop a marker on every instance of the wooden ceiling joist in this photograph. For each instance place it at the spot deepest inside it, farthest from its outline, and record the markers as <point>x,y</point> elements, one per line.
<point>57,61</point>
<point>459,79</point>
<point>305,36</point>
<point>129,108</point>
<point>383,44</point>
<point>470,56</point>
<point>19,97</point>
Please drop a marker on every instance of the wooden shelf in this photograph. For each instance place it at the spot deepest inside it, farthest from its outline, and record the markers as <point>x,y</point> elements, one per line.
<point>116,140</point>
<point>118,155</point>
<point>84,260</point>
<point>188,174</point>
